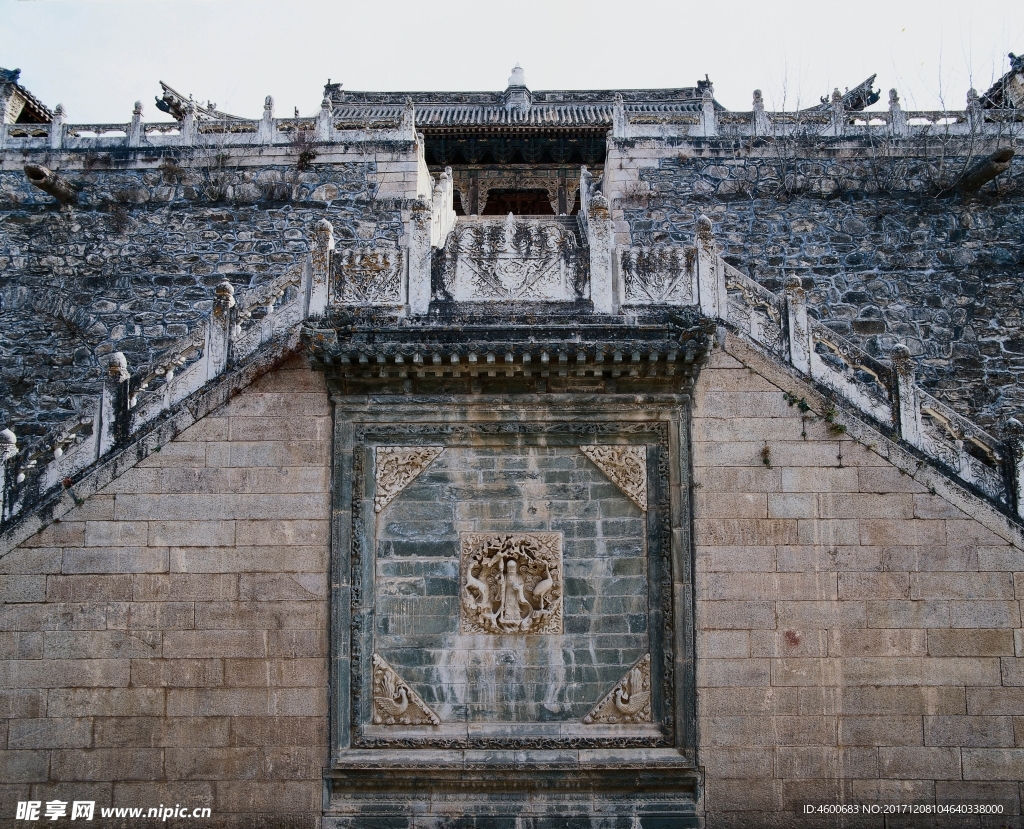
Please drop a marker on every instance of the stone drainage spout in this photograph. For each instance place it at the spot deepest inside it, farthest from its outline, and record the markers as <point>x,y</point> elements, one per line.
<point>49,182</point>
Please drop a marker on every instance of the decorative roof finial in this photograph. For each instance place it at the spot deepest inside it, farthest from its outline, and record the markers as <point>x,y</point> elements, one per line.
<point>517,78</point>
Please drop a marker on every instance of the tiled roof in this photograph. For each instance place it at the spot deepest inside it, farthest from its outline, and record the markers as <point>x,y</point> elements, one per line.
<point>558,109</point>
<point>37,108</point>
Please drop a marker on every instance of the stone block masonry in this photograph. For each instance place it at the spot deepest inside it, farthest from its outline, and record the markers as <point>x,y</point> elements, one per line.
<point>166,641</point>
<point>855,630</point>
<point>884,252</point>
<point>131,267</point>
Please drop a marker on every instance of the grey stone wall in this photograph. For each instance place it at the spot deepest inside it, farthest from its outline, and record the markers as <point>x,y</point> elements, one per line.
<point>885,246</point>
<point>132,266</point>
<point>512,678</point>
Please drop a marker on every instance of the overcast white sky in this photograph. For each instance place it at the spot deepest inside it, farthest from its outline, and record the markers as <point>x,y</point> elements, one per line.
<point>99,56</point>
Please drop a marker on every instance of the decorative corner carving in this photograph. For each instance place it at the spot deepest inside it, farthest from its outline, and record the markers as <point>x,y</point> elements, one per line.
<point>625,466</point>
<point>394,702</point>
<point>397,467</point>
<point>629,701</point>
<point>511,583</point>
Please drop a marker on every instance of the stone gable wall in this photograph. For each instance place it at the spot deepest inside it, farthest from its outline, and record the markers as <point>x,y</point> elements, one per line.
<point>858,636</point>
<point>166,642</point>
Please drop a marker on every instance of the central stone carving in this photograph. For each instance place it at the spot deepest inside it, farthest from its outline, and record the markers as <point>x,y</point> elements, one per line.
<point>511,259</point>
<point>511,583</point>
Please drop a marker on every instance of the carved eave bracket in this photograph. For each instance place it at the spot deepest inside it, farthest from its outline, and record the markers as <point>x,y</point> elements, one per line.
<point>625,466</point>
<point>394,702</point>
<point>398,466</point>
<point>629,701</point>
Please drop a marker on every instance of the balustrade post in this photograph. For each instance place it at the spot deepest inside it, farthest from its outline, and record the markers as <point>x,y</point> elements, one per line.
<point>897,117</point>
<point>135,130</point>
<point>188,125</point>
<point>710,274</point>
<point>408,122</point>
<point>265,131</point>
<point>1013,447</point>
<point>760,122</point>
<point>320,267</point>
<point>601,238</point>
<point>620,127</point>
<point>57,128</point>
<point>218,331</point>
<point>907,401</point>
<point>838,113</point>
<point>975,113</point>
<point>419,254</point>
<point>324,125</point>
<point>708,116</point>
<point>114,404</point>
<point>8,451</point>
<point>800,341</point>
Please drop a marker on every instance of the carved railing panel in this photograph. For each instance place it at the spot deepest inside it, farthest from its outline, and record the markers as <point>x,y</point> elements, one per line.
<point>660,274</point>
<point>754,309</point>
<point>512,259</point>
<point>368,276</point>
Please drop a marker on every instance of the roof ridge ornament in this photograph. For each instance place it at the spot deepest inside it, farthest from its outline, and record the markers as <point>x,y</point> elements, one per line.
<point>517,94</point>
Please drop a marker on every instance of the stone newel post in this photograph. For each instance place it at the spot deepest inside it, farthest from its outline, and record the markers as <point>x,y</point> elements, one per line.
<point>323,121</point>
<point>57,127</point>
<point>114,404</point>
<point>897,117</point>
<point>710,275</point>
<point>907,402</point>
<point>602,245</point>
<point>418,233</point>
<point>1013,430</point>
<point>8,450</point>
<point>265,131</point>
<point>800,342</point>
<point>320,267</point>
<point>218,332</point>
<point>135,130</point>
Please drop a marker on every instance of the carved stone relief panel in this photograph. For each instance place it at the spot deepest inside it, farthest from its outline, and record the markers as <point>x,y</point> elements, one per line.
<point>629,701</point>
<point>394,702</point>
<point>511,583</point>
<point>397,467</point>
<point>658,274</point>
<point>368,276</point>
<point>510,259</point>
<point>625,466</point>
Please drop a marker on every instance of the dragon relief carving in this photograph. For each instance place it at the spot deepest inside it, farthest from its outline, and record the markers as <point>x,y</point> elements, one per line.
<point>394,702</point>
<point>629,701</point>
<point>398,466</point>
<point>368,276</point>
<point>625,466</point>
<point>511,583</point>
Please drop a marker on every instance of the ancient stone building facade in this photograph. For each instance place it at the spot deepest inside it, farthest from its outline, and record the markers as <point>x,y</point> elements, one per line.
<point>519,459</point>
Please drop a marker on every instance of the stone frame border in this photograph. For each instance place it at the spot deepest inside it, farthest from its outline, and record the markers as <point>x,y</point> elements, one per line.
<point>360,424</point>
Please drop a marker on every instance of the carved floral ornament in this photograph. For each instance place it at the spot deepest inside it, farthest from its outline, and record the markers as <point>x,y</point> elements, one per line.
<point>511,583</point>
<point>629,701</point>
<point>394,702</point>
<point>398,466</point>
<point>625,466</point>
